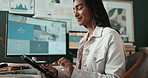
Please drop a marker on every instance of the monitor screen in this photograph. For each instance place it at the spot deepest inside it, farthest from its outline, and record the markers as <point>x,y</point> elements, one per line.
<point>30,36</point>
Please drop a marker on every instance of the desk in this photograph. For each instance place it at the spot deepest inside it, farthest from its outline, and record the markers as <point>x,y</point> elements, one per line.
<point>22,73</point>
<point>28,73</point>
<point>16,70</point>
<point>20,76</point>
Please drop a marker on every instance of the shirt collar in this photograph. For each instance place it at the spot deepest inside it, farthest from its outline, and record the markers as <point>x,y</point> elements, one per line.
<point>97,32</point>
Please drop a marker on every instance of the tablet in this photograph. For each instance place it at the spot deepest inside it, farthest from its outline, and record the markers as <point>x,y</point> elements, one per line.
<point>35,65</point>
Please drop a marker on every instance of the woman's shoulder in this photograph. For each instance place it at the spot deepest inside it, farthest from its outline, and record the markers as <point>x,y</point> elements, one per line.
<point>110,30</point>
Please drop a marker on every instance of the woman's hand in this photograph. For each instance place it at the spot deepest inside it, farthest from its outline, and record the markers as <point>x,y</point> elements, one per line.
<point>67,64</point>
<point>51,69</point>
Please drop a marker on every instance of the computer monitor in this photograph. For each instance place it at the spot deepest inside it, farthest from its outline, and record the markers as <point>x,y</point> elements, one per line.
<point>35,37</point>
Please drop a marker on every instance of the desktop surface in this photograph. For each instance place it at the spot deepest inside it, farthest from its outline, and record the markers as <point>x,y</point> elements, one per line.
<point>15,70</point>
<point>20,76</point>
<point>22,73</point>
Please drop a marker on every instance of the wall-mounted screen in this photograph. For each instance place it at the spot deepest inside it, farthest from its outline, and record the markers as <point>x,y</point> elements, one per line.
<point>30,36</point>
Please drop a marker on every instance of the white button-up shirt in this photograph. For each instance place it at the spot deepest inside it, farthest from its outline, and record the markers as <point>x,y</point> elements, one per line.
<point>101,56</point>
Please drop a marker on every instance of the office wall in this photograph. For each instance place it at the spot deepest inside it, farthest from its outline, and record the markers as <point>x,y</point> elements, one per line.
<point>141,23</point>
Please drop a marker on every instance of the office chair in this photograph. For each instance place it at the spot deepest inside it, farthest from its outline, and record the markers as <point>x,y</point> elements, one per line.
<point>137,65</point>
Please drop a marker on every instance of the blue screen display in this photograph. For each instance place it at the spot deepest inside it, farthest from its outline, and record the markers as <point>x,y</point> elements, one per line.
<point>32,36</point>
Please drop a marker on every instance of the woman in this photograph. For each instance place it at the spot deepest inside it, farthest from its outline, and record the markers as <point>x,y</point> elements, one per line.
<point>101,52</point>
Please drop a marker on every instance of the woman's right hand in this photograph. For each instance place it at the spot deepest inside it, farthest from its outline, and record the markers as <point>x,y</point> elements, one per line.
<point>67,64</point>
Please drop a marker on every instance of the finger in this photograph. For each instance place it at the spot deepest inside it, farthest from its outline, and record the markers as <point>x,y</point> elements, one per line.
<point>42,66</point>
<point>55,62</point>
<point>60,60</point>
<point>63,62</point>
<point>67,63</point>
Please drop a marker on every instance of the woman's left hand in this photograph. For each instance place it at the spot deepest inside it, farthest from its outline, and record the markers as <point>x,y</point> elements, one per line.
<point>50,69</point>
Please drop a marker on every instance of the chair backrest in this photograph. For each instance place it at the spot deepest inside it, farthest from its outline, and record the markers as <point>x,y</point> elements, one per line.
<point>140,67</point>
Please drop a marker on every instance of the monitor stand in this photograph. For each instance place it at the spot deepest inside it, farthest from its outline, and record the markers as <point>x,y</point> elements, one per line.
<point>35,59</point>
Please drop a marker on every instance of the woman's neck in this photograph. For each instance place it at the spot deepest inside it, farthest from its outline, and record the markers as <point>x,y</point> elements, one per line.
<point>91,29</point>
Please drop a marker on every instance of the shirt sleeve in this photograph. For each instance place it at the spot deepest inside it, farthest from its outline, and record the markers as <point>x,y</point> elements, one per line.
<point>116,58</point>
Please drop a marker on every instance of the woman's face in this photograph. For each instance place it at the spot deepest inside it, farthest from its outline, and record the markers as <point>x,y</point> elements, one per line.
<point>82,13</point>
